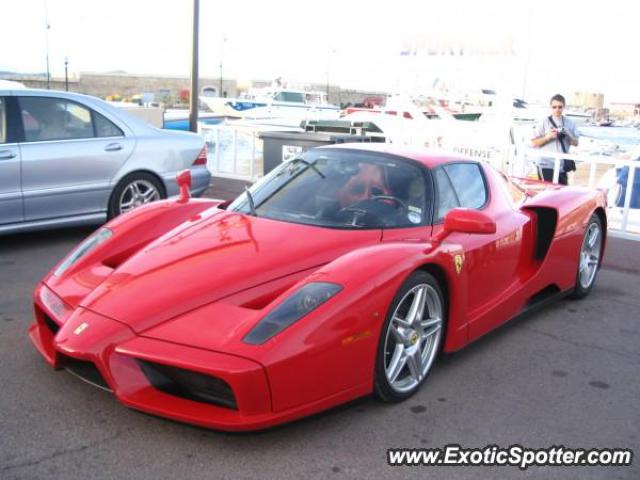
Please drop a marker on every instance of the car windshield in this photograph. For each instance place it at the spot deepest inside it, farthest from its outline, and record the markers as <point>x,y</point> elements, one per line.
<point>340,189</point>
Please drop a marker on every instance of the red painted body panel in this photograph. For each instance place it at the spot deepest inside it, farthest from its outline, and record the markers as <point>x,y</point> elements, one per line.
<point>181,284</point>
<point>212,259</point>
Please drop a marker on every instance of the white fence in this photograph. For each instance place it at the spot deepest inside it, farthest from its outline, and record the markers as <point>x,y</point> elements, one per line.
<point>236,151</point>
<point>624,221</point>
<point>233,151</point>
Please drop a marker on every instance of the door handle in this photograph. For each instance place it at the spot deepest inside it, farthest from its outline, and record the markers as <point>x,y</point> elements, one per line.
<point>7,154</point>
<point>113,147</point>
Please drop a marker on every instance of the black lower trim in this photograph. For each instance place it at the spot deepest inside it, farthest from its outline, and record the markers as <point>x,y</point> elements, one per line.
<point>541,299</point>
<point>86,371</point>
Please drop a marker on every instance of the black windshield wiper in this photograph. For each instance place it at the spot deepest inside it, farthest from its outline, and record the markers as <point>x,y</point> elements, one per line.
<point>309,164</point>
<point>252,205</point>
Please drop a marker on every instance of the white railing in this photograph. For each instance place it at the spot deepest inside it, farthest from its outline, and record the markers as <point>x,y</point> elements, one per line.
<point>624,221</point>
<point>233,151</point>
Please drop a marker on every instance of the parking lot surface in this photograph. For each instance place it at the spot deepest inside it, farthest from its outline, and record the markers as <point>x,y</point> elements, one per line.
<point>567,375</point>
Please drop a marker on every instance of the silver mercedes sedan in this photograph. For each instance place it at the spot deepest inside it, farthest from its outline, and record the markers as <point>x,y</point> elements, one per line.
<point>70,159</point>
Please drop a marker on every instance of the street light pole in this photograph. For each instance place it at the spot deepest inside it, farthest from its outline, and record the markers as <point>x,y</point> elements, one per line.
<point>193,102</point>
<point>330,53</point>
<point>46,41</point>
<point>66,74</point>
<point>224,39</point>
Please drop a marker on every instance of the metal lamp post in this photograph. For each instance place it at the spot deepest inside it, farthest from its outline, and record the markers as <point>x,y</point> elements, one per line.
<point>193,102</point>
<point>46,40</point>
<point>224,39</point>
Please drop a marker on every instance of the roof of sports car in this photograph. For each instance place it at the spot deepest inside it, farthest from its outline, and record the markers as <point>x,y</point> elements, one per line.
<point>429,157</point>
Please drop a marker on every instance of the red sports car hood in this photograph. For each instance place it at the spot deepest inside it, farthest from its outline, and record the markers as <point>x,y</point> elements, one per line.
<point>220,256</point>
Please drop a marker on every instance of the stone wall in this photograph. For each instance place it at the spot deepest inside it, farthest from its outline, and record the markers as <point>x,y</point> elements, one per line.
<point>102,85</point>
<point>126,85</point>
<point>591,100</point>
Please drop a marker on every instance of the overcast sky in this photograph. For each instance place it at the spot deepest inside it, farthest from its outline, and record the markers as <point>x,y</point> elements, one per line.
<point>556,45</point>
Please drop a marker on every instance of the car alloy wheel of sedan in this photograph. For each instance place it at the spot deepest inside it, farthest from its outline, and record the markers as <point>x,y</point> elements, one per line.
<point>137,193</point>
<point>135,189</point>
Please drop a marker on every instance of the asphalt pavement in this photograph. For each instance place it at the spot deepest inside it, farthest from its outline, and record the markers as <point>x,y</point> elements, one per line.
<point>568,375</point>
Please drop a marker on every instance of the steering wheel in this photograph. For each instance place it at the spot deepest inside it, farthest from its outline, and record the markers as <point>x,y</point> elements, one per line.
<point>360,213</point>
<point>384,198</point>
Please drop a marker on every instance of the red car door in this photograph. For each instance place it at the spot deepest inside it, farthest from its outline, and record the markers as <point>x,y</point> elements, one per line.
<point>491,262</point>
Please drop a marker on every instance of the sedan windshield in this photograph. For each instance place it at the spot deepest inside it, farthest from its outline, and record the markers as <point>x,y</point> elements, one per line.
<point>339,188</point>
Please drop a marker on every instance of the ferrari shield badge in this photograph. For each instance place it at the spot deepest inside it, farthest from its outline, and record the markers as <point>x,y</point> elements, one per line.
<point>81,328</point>
<point>458,261</point>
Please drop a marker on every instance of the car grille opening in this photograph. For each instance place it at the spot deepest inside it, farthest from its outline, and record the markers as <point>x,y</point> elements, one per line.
<point>86,371</point>
<point>50,323</point>
<point>188,384</point>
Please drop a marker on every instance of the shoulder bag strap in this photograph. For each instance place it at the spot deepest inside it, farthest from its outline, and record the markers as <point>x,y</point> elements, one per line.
<point>564,149</point>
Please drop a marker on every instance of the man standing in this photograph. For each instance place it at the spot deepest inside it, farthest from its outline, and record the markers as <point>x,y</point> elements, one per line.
<point>555,133</point>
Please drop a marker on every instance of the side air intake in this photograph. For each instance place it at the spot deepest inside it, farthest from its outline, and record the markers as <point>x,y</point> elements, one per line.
<point>188,384</point>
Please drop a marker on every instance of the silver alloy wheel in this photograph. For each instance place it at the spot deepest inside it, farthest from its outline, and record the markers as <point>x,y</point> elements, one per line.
<point>413,337</point>
<point>590,255</point>
<point>137,193</point>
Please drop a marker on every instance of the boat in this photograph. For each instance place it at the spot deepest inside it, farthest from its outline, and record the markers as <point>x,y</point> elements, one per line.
<point>524,112</point>
<point>178,119</point>
<point>288,106</point>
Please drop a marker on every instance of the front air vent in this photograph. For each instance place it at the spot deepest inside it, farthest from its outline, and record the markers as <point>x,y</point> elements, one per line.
<point>189,384</point>
<point>85,371</point>
<point>50,323</point>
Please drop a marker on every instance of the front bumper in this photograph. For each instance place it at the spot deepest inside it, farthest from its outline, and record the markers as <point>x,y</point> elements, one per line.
<point>110,351</point>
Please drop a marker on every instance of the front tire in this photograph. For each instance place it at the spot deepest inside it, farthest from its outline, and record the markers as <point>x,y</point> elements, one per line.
<point>589,261</point>
<point>134,190</point>
<point>410,339</point>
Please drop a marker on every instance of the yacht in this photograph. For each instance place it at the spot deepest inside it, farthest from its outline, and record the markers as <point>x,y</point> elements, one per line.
<point>286,105</point>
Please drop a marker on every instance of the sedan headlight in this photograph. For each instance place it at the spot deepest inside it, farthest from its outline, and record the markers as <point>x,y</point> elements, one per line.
<point>100,236</point>
<point>302,302</point>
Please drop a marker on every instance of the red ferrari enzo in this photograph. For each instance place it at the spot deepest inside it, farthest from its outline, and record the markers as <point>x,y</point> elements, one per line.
<point>341,273</point>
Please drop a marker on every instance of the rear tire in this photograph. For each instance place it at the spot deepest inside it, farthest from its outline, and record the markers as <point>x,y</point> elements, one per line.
<point>589,260</point>
<point>134,190</point>
<point>410,339</point>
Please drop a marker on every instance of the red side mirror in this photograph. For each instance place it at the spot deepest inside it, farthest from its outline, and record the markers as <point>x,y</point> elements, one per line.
<point>184,182</point>
<point>466,220</point>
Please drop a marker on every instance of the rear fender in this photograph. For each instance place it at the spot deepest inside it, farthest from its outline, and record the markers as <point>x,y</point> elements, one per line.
<point>574,206</point>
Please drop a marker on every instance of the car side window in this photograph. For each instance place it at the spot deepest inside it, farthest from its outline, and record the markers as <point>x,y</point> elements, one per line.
<point>105,128</point>
<point>447,198</point>
<point>47,118</point>
<point>3,121</point>
<point>468,183</point>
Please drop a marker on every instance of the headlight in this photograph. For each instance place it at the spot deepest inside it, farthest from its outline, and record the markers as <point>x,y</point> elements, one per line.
<point>100,236</point>
<point>54,304</point>
<point>305,300</point>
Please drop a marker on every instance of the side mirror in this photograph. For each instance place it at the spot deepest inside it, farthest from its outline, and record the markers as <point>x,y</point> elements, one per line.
<point>184,182</point>
<point>466,220</point>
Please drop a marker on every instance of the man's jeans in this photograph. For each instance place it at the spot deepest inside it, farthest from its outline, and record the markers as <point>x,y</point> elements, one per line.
<point>546,174</point>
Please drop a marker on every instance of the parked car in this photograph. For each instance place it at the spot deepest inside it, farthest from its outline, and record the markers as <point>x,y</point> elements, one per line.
<point>342,273</point>
<point>71,159</point>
